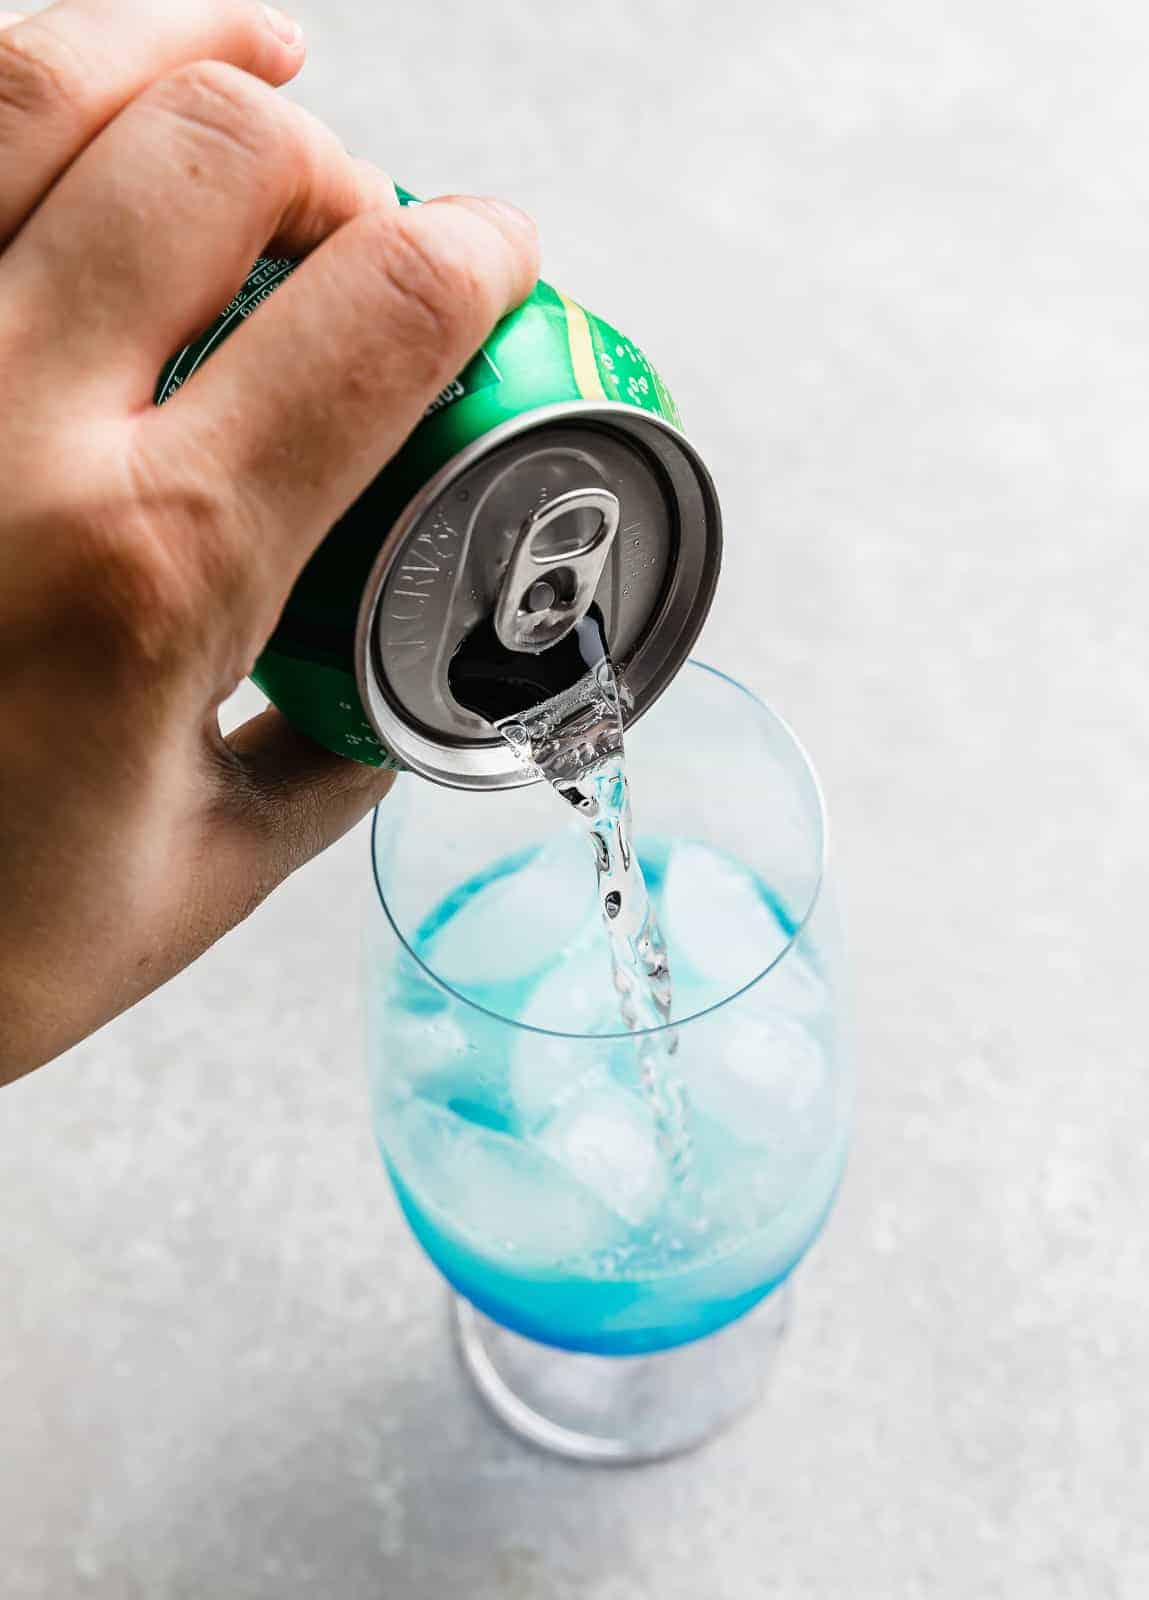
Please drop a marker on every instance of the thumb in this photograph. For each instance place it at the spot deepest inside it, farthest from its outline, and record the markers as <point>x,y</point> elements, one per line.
<point>286,800</point>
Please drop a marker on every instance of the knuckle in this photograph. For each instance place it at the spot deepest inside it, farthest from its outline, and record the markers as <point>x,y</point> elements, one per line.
<point>38,75</point>
<point>214,104</point>
<point>441,297</point>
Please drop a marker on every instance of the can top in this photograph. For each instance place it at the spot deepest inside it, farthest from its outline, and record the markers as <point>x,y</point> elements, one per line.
<point>555,508</point>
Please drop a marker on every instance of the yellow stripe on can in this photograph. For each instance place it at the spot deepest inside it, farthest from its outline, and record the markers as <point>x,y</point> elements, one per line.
<point>586,373</point>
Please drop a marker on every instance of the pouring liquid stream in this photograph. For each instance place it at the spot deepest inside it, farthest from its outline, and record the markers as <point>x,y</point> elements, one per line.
<point>574,740</point>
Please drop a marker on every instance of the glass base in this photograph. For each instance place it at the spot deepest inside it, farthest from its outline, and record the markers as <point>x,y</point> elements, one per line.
<point>622,1409</point>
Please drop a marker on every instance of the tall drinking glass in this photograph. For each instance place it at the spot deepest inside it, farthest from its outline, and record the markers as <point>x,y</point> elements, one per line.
<point>620,1274</point>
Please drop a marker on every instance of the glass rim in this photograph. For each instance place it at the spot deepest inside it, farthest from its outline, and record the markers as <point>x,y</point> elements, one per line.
<point>681,1022</point>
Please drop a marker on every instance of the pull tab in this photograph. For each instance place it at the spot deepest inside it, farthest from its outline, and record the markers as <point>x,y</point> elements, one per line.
<point>555,569</point>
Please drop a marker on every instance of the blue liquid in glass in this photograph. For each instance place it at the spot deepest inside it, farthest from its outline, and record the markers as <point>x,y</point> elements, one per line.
<point>528,1164</point>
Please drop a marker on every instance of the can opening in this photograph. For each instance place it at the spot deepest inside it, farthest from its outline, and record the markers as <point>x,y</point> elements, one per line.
<point>495,682</point>
<point>620,486</point>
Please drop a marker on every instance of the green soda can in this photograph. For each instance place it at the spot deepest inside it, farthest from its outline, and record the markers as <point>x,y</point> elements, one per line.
<point>550,475</point>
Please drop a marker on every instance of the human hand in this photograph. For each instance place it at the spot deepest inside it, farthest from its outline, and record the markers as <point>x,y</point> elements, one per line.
<point>146,554</point>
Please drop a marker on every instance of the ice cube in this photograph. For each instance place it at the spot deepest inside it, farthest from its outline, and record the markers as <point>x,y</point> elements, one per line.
<point>765,1225</point>
<point>796,986</point>
<point>517,923</point>
<point>576,996</point>
<point>414,1047</point>
<point>414,1051</point>
<point>761,1077</point>
<point>715,918</point>
<point>503,1196</point>
<point>606,1139</point>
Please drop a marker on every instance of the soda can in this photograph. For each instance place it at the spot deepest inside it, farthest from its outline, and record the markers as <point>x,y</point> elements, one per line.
<point>551,474</point>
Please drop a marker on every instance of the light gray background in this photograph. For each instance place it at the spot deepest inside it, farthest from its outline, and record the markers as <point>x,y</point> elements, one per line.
<point>894,259</point>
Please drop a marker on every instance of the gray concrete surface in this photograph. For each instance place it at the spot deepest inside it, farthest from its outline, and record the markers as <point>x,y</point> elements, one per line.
<point>895,260</point>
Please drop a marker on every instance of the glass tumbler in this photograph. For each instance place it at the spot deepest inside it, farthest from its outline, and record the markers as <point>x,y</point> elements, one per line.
<point>620,1274</point>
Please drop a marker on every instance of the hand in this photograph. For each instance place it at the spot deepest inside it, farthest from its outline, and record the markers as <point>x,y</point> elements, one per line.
<point>146,554</point>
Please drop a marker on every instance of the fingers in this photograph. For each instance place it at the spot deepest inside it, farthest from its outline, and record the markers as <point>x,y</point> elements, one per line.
<point>286,800</point>
<point>7,18</point>
<point>353,347</point>
<point>66,72</point>
<point>154,228</point>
